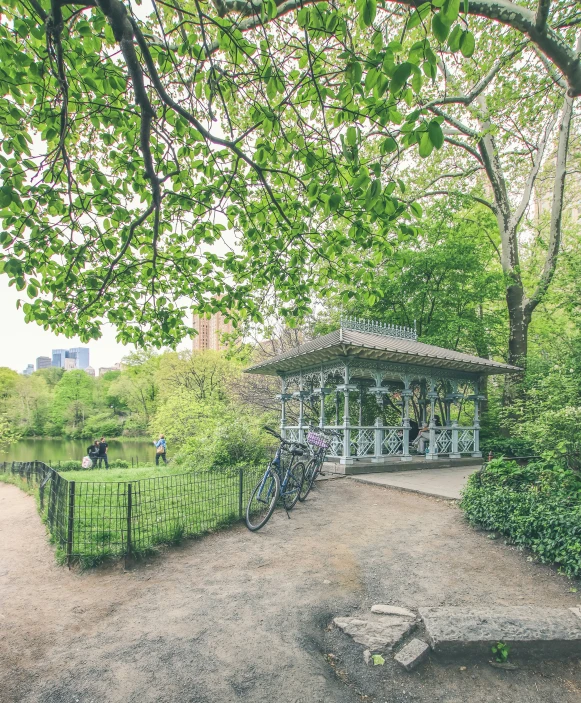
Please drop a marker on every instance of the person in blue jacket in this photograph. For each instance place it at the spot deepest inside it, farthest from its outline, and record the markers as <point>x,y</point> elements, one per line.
<point>160,450</point>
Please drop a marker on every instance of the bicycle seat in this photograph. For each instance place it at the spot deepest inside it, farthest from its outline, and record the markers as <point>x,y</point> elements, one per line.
<point>295,450</point>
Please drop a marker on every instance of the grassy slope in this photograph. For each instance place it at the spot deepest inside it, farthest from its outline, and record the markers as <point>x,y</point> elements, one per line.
<point>123,474</point>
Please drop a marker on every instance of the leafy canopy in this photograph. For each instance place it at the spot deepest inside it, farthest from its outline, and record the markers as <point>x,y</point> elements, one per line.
<point>208,153</point>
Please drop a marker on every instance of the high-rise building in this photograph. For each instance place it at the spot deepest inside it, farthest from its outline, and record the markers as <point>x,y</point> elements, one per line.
<point>58,357</point>
<point>28,370</point>
<point>76,358</point>
<point>43,362</point>
<point>81,354</point>
<point>90,371</point>
<point>210,332</point>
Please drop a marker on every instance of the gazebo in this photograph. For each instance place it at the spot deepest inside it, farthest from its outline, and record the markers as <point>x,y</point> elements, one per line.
<point>389,384</point>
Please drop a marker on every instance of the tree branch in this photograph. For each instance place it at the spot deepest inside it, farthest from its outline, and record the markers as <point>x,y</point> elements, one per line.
<point>526,195</point>
<point>542,15</point>
<point>556,207</point>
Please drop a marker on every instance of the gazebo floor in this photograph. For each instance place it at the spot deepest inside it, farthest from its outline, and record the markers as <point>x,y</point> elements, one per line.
<point>364,466</point>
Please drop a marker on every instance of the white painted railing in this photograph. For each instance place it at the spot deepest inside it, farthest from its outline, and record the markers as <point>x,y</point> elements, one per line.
<point>364,441</point>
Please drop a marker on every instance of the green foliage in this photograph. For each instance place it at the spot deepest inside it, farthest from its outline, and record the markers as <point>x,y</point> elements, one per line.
<point>500,651</point>
<point>506,446</point>
<point>537,506</point>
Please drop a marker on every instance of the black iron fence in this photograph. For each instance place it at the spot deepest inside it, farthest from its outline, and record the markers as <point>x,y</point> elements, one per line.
<point>90,521</point>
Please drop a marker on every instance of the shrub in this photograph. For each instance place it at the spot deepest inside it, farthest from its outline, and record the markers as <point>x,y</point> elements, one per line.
<point>506,446</point>
<point>538,506</point>
<point>119,464</point>
<point>70,466</point>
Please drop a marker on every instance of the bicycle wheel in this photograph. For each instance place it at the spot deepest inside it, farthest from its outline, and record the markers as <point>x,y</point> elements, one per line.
<point>263,500</point>
<point>294,484</point>
<point>311,473</point>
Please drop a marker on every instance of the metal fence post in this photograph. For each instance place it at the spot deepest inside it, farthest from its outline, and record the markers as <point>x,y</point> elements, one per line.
<point>129,507</point>
<point>240,490</point>
<point>71,522</point>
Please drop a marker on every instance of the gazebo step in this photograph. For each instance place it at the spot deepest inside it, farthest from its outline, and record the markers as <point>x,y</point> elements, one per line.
<point>391,465</point>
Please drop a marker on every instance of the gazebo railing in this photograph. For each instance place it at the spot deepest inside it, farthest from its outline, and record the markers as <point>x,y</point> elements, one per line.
<point>372,441</point>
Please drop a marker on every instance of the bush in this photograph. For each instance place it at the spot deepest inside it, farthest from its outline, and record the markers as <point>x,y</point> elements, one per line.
<point>538,506</point>
<point>506,446</point>
<point>119,464</point>
<point>70,466</point>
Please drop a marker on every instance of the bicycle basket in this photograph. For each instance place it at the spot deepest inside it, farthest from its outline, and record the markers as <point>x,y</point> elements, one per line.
<point>318,440</point>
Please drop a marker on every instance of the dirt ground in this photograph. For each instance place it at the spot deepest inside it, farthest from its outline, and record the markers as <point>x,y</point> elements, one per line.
<point>237,616</point>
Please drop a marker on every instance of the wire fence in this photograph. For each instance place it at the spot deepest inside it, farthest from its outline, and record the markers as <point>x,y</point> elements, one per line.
<point>90,521</point>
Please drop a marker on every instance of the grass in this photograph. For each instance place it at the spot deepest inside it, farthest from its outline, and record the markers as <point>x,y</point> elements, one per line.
<point>148,471</point>
<point>167,505</point>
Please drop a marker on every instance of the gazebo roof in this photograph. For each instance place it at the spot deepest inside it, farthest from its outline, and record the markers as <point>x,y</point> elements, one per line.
<point>384,343</point>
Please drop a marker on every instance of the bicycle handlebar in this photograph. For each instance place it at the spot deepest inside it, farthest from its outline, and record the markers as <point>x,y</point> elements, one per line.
<point>268,429</point>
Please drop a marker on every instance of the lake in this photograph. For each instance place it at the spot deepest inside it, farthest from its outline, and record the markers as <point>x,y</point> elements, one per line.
<point>54,450</point>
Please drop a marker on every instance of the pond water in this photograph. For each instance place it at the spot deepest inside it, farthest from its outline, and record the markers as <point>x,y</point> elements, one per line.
<point>55,450</point>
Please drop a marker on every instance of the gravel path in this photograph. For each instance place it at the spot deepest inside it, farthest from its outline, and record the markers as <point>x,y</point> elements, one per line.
<point>237,616</point>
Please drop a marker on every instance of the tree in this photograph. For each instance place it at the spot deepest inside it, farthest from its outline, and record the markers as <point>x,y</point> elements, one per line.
<point>450,288</point>
<point>237,115</point>
<point>511,126</point>
<point>73,398</point>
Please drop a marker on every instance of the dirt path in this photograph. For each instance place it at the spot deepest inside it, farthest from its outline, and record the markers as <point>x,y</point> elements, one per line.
<point>242,617</point>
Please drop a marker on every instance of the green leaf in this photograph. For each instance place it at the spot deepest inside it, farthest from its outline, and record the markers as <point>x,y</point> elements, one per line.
<point>467,44</point>
<point>367,11</point>
<point>436,134</point>
<point>454,38</point>
<point>378,42</point>
<point>426,145</point>
<point>388,145</point>
<point>440,27</point>
<point>351,136</point>
<point>378,660</point>
<point>451,10</point>
<point>400,76</point>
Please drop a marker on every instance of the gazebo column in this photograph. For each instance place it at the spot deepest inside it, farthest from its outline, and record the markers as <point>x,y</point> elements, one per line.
<point>477,400</point>
<point>432,396</point>
<point>406,394</point>
<point>452,398</point>
<point>346,388</point>
<point>379,391</point>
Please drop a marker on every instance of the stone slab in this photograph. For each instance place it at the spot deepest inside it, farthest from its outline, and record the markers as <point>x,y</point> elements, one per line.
<point>392,610</point>
<point>545,632</point>
<point>382,633</point>
<point>412,654</point>
<point>443,483</point>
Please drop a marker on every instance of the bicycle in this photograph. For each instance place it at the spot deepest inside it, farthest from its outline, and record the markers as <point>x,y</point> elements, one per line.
<point>318,442</point>
<point>277,482</point>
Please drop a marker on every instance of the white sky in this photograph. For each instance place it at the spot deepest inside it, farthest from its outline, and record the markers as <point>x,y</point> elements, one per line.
<point>22,343</point>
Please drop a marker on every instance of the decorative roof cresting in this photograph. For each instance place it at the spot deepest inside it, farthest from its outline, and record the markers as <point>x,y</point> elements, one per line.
<point>353,323</point>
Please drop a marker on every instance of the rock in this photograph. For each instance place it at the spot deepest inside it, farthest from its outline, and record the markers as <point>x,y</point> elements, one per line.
<point>544,632</point>
<point>412,654</point>
<point>376,634</point>
<point>576,611</point>
<point>392,610</point>
<point>367,656</point>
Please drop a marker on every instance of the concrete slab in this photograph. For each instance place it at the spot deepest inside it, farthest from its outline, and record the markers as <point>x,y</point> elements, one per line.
<point>395,464</point>
<point>443,483</point>
<point>528,631</point>
<point>377,634</point>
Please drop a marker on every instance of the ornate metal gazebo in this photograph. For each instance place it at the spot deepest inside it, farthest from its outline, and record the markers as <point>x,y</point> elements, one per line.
<point>382,370</point>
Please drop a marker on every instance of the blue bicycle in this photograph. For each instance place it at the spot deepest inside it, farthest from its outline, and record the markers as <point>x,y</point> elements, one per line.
<point>282,479</point>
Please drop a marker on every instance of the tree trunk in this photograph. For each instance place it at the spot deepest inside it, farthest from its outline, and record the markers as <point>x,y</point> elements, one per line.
<point>518,324</point>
